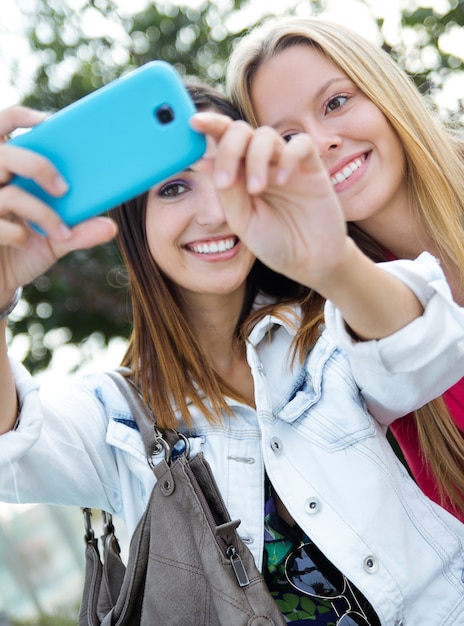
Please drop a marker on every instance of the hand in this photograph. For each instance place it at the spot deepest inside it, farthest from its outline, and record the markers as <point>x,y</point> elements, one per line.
<point>24,253</point>
<point>278,198</point>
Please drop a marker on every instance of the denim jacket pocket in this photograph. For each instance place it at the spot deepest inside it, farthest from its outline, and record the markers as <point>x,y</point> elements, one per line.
<point>326,405</point>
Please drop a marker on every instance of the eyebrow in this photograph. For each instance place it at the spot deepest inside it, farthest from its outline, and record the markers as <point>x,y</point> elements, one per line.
<point>318,94</point>
<point>330,82</point>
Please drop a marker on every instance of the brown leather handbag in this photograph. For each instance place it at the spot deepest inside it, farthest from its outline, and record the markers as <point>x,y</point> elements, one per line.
<point>187,566</point>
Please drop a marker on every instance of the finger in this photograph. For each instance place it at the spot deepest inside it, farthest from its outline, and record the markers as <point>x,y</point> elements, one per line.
<point>231,154</point>
<point>264,150</point>
<point>210,123</point>
<point>29,164</point>
<point>235,201</point>
<point>301,153</point>
<point>23,207</point>
<point>14,234</point>
<point>93,232</point>
<point>231,139</point>
<point>16,117</point>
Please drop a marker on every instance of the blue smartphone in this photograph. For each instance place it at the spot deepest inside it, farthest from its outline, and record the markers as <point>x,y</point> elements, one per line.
<point>116,142</point>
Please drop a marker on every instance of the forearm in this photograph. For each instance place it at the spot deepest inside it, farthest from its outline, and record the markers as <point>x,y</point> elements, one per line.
<point>373,303</point>
<point>418,362</point>
<point>8,395</point>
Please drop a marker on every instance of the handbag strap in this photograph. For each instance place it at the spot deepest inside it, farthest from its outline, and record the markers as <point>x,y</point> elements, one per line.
<point>144,418</point>
<point>151,437</point>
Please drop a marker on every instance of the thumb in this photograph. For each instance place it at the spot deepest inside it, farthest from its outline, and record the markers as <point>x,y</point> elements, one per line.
<point>92,232</point>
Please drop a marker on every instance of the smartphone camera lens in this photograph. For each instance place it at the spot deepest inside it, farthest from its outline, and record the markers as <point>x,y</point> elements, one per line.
<point>165,114</point>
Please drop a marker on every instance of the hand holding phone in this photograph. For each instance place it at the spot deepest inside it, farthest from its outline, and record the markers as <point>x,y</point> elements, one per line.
<point>116,142</point>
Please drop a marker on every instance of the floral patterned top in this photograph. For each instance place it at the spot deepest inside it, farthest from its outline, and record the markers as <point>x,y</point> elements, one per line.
<point>299,609</point>
<point>279,540</point>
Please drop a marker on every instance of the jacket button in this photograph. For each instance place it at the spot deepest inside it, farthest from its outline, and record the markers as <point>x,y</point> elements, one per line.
<point>371,564</point>
<point>399,622</point>
<point>312,505</point>
<point>276,445</point>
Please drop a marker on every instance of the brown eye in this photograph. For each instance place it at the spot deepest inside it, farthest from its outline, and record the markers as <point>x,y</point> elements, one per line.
<point>289,137</point>
<point>336,103</point>
<point>172,189</point>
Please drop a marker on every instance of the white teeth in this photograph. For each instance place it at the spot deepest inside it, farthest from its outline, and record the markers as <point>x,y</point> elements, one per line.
<point>346,172</point>
<point>214,247</point>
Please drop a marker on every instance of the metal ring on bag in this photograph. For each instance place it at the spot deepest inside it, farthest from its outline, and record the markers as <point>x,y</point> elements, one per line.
<point>186,443</point>
<point>159,445</point>
<point>108,527</point>
<point>89,533</point>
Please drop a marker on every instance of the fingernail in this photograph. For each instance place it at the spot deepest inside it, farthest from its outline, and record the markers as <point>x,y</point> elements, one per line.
<point>37,116</point>
<point>201,115</point>
<point>63,231</point>
<point>254,184</point>
<point>221,179</point>
<point>281,177</point>
<point>60,185</point>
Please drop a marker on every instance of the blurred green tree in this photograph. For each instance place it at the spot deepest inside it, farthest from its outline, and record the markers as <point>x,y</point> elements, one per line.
<point>426,47</point>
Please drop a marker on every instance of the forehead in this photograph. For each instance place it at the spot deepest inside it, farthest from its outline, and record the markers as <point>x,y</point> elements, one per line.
<point>296,74</point>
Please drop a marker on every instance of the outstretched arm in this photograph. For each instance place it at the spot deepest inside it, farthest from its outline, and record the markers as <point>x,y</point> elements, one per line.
<point>278,198</point>
<point>24,253</point>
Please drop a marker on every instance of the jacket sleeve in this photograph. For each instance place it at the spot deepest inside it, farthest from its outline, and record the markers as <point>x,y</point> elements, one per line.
<point>404,371</point>
<point>56,453</point>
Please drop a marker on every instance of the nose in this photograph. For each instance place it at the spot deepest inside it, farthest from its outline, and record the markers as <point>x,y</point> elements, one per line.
<point>209,211</point>
<point>324,135</point>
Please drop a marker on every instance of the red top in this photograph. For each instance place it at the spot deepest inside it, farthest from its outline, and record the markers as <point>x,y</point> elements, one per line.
<point>405,432</point>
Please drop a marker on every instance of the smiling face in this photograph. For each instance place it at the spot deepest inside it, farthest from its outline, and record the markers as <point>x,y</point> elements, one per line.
<point>190,239</point>
<point>358,146</point>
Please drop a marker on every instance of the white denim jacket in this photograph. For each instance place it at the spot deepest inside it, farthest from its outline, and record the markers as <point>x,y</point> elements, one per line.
<point>318,431</point>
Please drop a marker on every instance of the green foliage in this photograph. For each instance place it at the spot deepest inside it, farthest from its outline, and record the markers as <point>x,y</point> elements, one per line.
<point>425,57</point>
<point>74,60</point>
<point>67,616</point>
<point>47,620</point>
<point>84,293</point>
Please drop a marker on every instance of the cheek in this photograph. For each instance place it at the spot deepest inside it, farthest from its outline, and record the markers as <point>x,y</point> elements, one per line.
<point>395,154</point>
<point>158,235</point>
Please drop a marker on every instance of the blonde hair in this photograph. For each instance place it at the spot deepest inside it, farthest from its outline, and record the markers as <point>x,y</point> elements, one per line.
<point>435,177</point>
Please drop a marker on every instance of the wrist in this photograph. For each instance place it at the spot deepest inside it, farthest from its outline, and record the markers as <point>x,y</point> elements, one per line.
<point>8,308</point>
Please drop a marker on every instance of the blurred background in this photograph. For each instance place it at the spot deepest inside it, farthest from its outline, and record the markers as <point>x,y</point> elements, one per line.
<point>76,317</point>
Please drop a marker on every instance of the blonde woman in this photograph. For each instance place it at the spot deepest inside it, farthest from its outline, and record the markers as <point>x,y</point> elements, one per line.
<point>399,174</point>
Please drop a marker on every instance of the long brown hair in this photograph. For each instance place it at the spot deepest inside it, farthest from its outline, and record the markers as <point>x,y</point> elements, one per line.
<point>166,361</point>
<point>435,176</point>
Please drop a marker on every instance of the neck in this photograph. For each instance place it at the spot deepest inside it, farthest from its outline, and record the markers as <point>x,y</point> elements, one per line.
<point>399,233</point>
<point>407,239</point>
<point>214,321</point>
